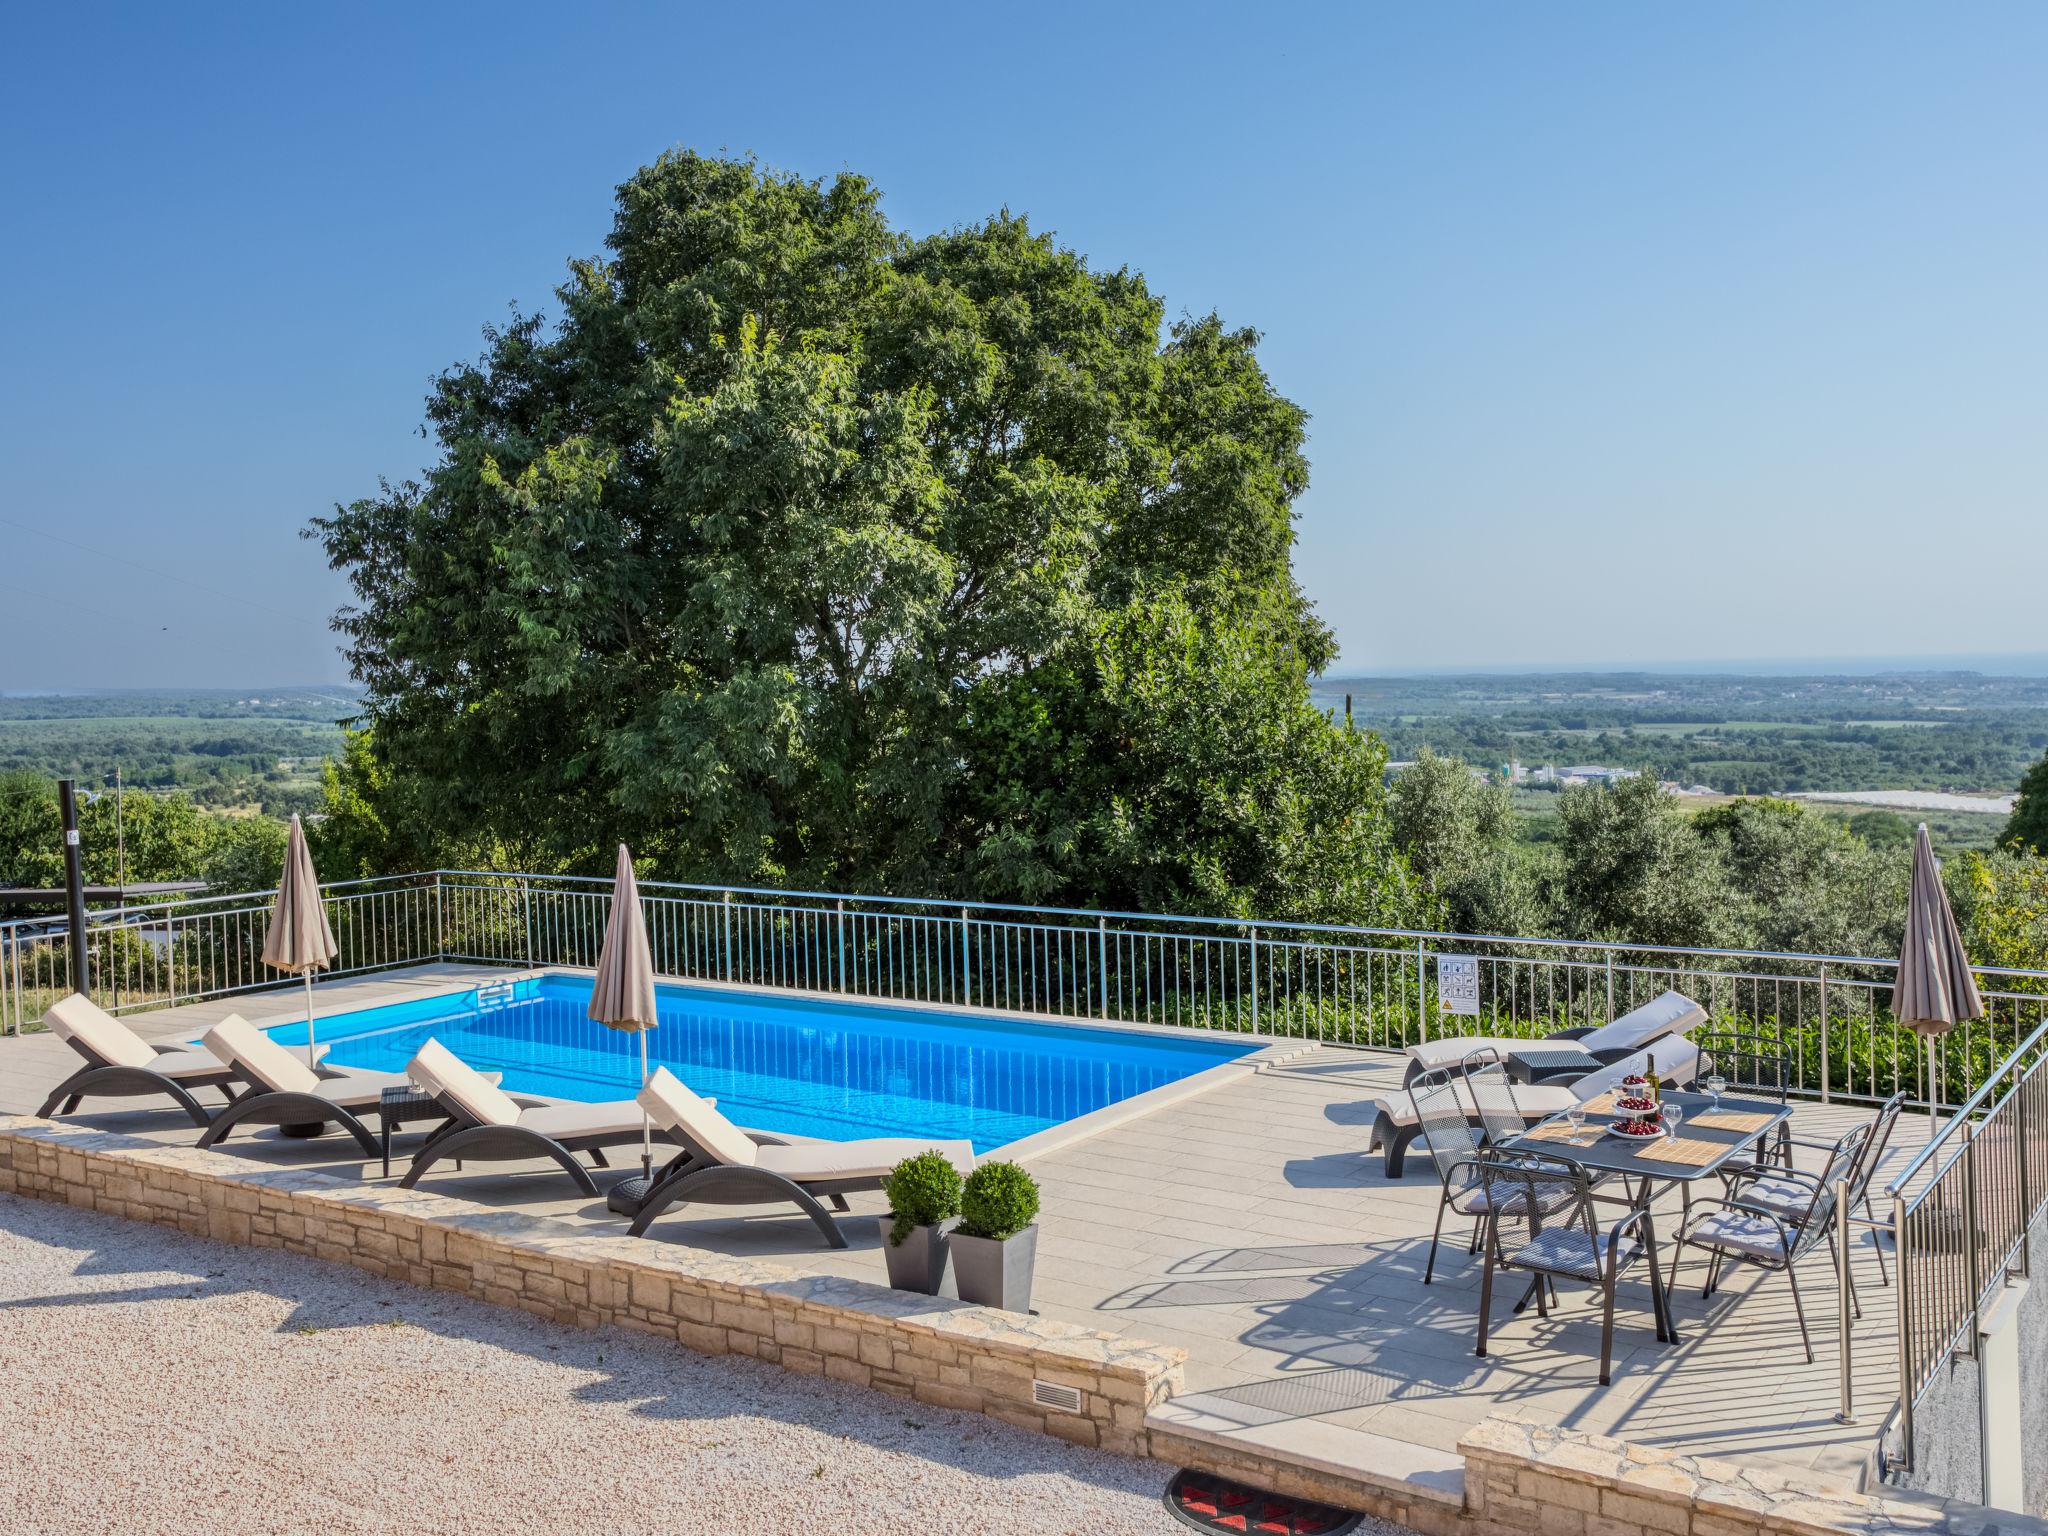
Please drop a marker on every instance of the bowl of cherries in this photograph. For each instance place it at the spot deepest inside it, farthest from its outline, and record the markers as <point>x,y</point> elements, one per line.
<point>1636,1113</point>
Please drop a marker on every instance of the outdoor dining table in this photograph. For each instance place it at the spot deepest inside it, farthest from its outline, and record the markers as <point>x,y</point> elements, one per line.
<point>1710,1137</point>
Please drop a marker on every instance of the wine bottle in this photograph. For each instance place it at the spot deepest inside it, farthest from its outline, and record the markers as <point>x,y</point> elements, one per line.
<point>1656,1087</point>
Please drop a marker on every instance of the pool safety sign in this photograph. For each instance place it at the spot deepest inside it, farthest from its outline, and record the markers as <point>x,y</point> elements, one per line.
<point>1457,983</point>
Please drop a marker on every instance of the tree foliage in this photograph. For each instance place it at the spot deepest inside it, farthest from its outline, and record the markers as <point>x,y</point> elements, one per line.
<point>2027,830</point>
<point>150,836</point>
<point>801,550</point>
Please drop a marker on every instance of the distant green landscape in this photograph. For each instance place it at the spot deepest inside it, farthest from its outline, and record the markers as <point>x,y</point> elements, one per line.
<point>1959,732</point>
<point>230,749</point>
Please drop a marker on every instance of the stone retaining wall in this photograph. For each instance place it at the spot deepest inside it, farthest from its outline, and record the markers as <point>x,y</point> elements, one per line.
<point>942,1352</point>
<point>1519,1477</point>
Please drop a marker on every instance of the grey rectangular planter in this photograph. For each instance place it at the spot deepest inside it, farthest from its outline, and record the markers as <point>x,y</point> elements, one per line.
<point>996,1272</point>
<point>923,1261</point>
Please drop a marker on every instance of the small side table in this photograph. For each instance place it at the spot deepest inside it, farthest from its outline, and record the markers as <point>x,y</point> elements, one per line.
<point>403,1106</point>
<point>1540,1065</point>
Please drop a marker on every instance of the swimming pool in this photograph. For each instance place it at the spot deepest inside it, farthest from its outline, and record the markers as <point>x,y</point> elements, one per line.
<point>799,1065</point>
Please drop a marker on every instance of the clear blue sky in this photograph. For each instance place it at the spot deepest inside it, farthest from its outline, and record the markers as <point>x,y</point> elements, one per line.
<point>1630,333</point>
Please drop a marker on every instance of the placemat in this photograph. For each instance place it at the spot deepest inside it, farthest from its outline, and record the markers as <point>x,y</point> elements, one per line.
<point>1603,1105</point>
<point>1730,1120</point>
<point>1562,1131</point>
<point>1694,1154</point>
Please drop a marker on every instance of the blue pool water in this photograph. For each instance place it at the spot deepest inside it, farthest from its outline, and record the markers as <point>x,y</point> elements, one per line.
<point>801,1066</point>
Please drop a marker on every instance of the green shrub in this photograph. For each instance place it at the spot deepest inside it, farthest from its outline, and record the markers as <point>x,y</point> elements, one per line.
<point>923,1191</point>
<point>999,1200</point>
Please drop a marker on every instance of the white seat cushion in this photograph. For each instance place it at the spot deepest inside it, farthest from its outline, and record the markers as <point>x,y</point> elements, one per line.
<point>445,1075</point>
<point>358,1088</point>
<point>1435,1054</point>
<point>87,1028</point>
<point>1756,1237</point>
<point>563,1122</point>
<point>192,1061</point>
<point>258,1057</point>
<point>872,1158</point>
<point>1677,1063</point>
<point>671,1104</point>
<point>1670,1013</point>
<point>1536,1102</point>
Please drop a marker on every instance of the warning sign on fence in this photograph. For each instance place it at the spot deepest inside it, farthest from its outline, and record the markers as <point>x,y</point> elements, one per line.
<point>1457,983</point>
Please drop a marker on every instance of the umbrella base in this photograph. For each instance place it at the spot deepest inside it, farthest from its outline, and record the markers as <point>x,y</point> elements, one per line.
<point>628,1195</point>
<point>305,1130</point>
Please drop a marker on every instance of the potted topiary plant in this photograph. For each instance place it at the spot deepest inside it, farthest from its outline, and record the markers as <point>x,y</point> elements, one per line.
<point>924,1206</point>
<point>996,1245</point>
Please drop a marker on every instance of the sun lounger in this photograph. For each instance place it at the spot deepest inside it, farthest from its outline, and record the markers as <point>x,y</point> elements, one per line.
<point>1396,1126</point>
<point>120,1064</point>
<point>1670,1013</point>
<point>283,1090</point>
<point>724,1165</point>
<point>489,1125</point>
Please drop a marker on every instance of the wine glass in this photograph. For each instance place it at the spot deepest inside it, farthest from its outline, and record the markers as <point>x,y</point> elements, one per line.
<point>1674,1116</point>
<point>1715,1083</point>
<point>1576,1118</point>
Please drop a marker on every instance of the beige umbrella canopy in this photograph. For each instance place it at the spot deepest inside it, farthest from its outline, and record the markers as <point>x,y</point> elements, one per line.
<point>300,939</point>
<point>622,996</point>
<point>1936,988</point>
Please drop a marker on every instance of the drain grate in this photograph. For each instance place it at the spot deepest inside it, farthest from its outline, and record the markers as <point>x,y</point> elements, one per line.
<point>1210,1503</point>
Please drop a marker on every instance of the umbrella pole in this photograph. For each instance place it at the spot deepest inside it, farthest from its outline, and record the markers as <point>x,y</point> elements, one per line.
<point>646,1122</point>
<point>1933,1109</point>
<point>311,1053</point>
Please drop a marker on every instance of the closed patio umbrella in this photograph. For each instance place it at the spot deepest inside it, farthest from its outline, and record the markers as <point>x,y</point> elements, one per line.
<point>300,939</point>
<point>1936,989</point>
<point>622,996</point>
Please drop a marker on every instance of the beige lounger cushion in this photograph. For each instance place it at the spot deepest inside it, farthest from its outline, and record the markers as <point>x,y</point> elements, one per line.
<point>671,1104</point>
<point>871,1158</point>
<point>1452,1052</point>
<point>443,1074</point>
<point>1678,1062</point>
<point>258,1057</point>
<point>1668,1013</point>
<point>78,1018</point>
<point>360,1089</point>
<point>565,1122</point>
<point>1535,1102</point>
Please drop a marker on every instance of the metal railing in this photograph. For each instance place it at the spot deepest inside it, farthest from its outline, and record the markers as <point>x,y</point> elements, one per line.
<point>1961,1213</point>
<point>1342,985</point>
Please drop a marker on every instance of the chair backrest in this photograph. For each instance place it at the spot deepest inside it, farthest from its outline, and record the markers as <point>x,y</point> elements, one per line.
<point>707,1133</point>
<point>448,1077</point>
<point>1493,1095</point>
<point>1881,1128</point>
<point>1670,1013</point>
<point>96,1034</point>
<point>1753,1062</point>
<point>1443,1108</point>
<point>1676,1061</point>
<point>259,1058</point>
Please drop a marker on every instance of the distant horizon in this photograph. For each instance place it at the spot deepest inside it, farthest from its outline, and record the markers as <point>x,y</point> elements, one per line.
<point>2012,664</point>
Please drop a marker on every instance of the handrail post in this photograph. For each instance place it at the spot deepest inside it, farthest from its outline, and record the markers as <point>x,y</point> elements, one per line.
<point>840,924</point>
<point>1845,1301</point>
<point>1102,959</point>
<point>2022,1154</point>
<point>1903,1260</point>
<point>440,922</point>
<point>1255,978</point>
<point>526,918</point>
<point>1610,987</point>
<point>728,936</point>
<point>1421,995</point>
<point>1973,1259</point>
<point>966,958</point>
<point>1826,1058</point>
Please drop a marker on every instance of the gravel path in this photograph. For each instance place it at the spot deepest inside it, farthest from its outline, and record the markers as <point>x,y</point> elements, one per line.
<point>152,1382</point>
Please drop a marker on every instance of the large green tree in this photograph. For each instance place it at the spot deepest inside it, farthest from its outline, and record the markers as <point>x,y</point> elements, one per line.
<point>803,550</point>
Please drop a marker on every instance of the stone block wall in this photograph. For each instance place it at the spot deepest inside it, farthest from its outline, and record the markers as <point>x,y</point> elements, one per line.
<point>946,1353</point>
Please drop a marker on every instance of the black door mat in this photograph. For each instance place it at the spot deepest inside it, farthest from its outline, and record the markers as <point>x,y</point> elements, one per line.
<point>1210,1503</point>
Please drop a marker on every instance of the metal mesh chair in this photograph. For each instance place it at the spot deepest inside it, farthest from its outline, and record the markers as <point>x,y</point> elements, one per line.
<point>1573,1246</point>
<point>1773,1217</point>
<point>1445,1102</point>
<point>1754,1065</point>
